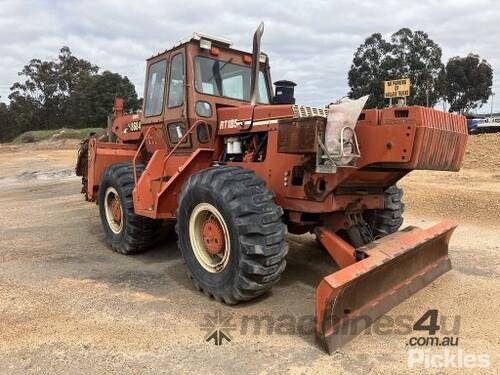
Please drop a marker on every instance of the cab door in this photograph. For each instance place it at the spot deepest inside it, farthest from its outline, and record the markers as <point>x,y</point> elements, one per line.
<point>154,98</point>
<point>175,118</point>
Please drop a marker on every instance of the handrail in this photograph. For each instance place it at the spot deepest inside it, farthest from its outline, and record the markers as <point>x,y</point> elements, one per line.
<point>190,130</point>
<point>137,154</point>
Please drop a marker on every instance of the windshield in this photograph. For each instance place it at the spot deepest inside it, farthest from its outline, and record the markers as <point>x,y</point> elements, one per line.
<point>222,78</point>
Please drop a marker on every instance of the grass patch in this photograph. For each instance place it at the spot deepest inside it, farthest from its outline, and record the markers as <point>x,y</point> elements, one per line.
<point>64,133</point>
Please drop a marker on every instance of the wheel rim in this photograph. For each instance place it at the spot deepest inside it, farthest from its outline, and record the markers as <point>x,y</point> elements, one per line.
<point>209,237</point>
<point>113,209</point>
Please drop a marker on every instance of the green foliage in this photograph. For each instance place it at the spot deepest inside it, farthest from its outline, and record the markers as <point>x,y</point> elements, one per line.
<point>371,65</point>
<point>67,91</point>
<point>94,96</point>
<point>7,123</point>
<point>408,55</point>
<point>469,81</point>
<point>418,57</point>
<point>465,82</point>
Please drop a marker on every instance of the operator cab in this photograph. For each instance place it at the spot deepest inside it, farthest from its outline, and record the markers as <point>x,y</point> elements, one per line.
<point>190,82</point>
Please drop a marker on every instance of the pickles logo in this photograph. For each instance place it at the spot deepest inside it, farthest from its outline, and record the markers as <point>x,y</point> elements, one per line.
<point>218,327</point>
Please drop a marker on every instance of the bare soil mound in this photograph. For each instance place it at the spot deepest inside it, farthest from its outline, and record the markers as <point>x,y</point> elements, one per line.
<point>483,151</point>
<point>470,195</point>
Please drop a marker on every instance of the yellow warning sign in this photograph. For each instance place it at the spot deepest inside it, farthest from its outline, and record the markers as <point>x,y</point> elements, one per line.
<point>397,88</point>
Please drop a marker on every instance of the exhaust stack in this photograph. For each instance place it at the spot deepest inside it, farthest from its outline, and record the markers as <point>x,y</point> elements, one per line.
<point>254,83</point>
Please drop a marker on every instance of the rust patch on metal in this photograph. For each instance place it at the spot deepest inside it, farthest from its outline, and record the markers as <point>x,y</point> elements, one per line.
<point>300,136</point>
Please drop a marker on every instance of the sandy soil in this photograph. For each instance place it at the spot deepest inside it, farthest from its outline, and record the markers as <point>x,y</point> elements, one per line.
<point>70,305</point>
<point>471,195</point>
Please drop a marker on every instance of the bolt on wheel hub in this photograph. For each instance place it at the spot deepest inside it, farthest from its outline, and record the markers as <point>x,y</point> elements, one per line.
<point>113,210</point>
<point>209,236</point>
<point>116,209</point>
<point>213,236</point>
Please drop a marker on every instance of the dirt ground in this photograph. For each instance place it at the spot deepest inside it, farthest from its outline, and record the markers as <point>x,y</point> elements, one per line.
<point>70,305</point>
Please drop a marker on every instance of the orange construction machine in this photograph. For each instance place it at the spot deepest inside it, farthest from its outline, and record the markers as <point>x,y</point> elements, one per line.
<point>238,166</point>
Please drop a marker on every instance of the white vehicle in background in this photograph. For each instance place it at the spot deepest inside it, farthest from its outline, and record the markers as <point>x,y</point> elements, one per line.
<point>486,124</point>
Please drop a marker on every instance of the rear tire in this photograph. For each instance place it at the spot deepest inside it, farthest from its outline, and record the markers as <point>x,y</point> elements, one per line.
<point>387,220</point>
<point>231,234</point>
<point>126,232</point>
<point>82,165</point>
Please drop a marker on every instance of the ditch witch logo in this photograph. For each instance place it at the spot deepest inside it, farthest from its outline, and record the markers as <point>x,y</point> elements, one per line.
<point>218,327</point>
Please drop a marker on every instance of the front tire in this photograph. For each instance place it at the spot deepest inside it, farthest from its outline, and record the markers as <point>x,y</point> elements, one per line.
<point>126,232</point>
<point>231,234</point>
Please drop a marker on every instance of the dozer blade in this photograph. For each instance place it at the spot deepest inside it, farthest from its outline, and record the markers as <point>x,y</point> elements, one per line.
<point>397,266</point>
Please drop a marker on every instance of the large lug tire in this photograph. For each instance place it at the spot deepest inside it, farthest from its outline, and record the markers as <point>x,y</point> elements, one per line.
<point>82,165</point>
<point>387,220</point>
<point>126,232</point>
<point>231,234</point>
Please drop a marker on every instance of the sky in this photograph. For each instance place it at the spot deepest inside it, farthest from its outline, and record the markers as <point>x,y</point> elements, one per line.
<point>309,42</point>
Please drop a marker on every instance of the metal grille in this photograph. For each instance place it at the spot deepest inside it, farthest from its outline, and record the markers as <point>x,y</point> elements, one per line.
<point>304,111</point>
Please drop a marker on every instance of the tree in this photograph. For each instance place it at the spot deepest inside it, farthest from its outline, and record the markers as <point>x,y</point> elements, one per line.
<point>24,112</point>
<point>66,92</point>
<point>39,102</point>
<point>418,58</point>
<point>37,99</point>
<point>408,55</point>
<point>72,70</point>
<point>93,99</point>
<point>371,65</point>
<point>7,128</point>
<point>105,87</point>
<point>469,81</point>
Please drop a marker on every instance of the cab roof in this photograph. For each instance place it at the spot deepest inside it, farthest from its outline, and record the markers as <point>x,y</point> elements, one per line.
<point>198,36</point>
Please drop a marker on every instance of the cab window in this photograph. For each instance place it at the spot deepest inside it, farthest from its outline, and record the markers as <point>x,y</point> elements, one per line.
<point>155,89</point>
<point>223,78</point>
<point>176,88</point>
